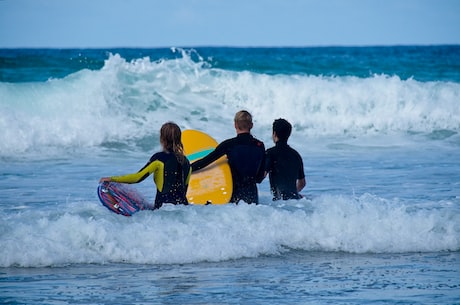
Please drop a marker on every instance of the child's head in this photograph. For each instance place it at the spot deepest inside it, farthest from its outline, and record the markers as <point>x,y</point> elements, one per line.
<point>243,120</point>
<point>282,129</point>
<point>170,139</point>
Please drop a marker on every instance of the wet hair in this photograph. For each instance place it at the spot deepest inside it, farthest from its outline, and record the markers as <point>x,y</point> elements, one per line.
<point>282,128</point>
<point>170,138</point>
<point>243,120</point>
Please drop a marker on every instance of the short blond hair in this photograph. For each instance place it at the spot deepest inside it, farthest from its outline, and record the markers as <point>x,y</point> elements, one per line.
<point>243,120</point>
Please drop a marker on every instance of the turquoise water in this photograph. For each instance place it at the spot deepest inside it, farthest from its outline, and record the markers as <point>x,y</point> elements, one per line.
<point>423,63</point>
<point>378,129</point>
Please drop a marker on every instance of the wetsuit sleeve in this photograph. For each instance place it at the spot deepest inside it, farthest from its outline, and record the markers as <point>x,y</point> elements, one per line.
<point>261,171</point>
<point>211,157</point>
<point>187,180</point>
<point>147,170</point>
<point>301,173</point>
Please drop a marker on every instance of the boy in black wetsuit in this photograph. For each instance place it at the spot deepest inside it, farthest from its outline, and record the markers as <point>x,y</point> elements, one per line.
<point>246,159</point>
<point>284,164</point>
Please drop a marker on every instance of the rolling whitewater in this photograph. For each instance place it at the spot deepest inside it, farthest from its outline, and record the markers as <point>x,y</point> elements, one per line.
<point>378,129</point>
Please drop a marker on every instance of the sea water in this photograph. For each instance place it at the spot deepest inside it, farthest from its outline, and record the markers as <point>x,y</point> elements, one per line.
<point>378,129</point>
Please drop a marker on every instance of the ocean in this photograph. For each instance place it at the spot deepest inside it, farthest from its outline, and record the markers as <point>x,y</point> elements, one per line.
<point>378,129</point>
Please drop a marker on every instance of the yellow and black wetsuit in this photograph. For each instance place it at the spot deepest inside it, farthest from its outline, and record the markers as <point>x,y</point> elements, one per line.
<point>171,178</point>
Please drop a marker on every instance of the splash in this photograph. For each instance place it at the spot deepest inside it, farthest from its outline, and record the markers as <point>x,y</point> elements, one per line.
<point>124,103</point>
<point>87,233</point>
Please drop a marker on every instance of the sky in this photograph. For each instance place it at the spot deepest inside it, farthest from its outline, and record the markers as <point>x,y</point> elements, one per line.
<point>242,23</point>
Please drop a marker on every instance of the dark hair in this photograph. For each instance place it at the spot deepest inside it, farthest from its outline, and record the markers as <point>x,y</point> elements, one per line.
<point>170,138</point>
<point>282,128</point>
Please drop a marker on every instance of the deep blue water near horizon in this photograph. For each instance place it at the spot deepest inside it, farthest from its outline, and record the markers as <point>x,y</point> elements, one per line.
<point>378,129</point>
<point>424,63</point>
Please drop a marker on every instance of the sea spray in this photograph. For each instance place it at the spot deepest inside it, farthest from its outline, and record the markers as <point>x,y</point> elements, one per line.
<point>127,101</point>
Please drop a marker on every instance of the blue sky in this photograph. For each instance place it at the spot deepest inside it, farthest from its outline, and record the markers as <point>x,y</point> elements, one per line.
<point>176,23</point>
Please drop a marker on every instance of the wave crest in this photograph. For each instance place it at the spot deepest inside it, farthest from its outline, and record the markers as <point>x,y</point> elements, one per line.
<point>129,100</point>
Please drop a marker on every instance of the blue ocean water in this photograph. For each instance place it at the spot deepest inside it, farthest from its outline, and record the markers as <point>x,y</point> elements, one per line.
<point>378,129</point>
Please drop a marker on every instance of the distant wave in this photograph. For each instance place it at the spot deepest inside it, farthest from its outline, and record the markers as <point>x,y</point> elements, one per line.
<point>127,101</point>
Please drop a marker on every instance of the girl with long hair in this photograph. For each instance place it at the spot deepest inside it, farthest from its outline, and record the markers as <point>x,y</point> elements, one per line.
<point>170,168</point>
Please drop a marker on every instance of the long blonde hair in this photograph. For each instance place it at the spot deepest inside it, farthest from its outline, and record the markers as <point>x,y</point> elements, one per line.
<point>170,138</point>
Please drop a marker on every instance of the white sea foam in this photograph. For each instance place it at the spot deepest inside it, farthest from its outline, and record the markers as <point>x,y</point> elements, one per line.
<point>128,101</point>
<point>368,195</point>
<point>87,233</point>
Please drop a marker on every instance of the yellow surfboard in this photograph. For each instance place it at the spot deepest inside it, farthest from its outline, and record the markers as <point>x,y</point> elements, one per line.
<point>212,184</point>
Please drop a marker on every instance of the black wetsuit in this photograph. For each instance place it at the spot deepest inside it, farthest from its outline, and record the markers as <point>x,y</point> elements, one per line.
<point>171,178</point>
<point>246,159</point>
<point>285,167</point>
